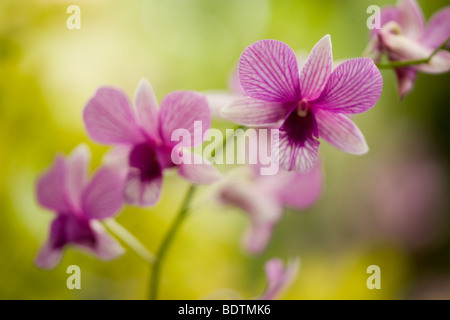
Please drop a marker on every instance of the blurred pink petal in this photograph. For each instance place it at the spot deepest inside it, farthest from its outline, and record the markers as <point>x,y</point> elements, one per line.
<point>103,196</point>
<point>51,187</point>
<point>77,173</point>
<point>141,192</point>
<point>199,171</point>
<point>147,109</point>
<point>437,30</point>
<point>109,118</point>
<point>279,277</point>
<point>184,110</point>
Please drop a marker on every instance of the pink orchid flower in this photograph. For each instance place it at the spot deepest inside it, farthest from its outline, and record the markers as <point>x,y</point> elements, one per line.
<point>264,197</point>
<point>79,204</point>
<point>404,36</point>
<point>305,103</point>
<point>145,135</point>
<point>279,277</point>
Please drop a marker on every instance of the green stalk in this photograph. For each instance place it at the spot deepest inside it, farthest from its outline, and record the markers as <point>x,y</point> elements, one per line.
<point>176,224</point>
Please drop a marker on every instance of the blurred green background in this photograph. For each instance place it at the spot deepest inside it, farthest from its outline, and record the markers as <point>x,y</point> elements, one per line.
<point>389,208</point>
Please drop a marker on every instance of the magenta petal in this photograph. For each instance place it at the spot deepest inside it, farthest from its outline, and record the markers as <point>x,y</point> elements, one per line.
<point>411,18</point>
<point>387,14</point>
<point>354,87</point>
<point>109,118</point>
<point>401,47</point>
<point>438,29</point>
<point>103,196</point>
<point>341,132</point>
<point>118,158</point>
<point>199,171</point>
<point>268,71</point>
<point>141,192</point>
<point>51,187</point>
<point>147,109</point>
<point>186,110</point>
<point>406,78</point>
<point>317,69</point>
<point>279,276</point>
<point>106,247</point>
<point>440,63</point>
<point>48,256</point>
<point>249,111</point>
<point>292,155</point>
<point>77,173</point>
<point>257,237</point>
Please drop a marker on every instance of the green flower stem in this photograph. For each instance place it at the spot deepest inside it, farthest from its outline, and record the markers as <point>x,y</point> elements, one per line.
<point>129,240</point>
<point>176,224</point>
<point>400,64</point>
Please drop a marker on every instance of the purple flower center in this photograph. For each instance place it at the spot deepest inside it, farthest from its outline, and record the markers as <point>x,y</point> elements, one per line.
<point>69,229</point>
<point>145,158</point>
<point>300,124</point>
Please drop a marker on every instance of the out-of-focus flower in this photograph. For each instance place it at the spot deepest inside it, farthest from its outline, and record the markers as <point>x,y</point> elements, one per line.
<point>406,193</point>
<point>143,136</point>
<point>304,104</point>
<point>264,197</point>
<point>79,204</point>
<point>279,277</point>
<point>403,36</point>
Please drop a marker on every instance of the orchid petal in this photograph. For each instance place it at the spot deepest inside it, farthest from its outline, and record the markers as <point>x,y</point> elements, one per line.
<point>257,236</point>
<point>268,71</point>
<point>106,247</point>
<point>438,29</point>
<point>405,79</point>
<point>51,187</point>
<point>147,109</point>
<point>291,155</point>
<point>217,99</point>
<point>341,132</point>
<point>279,276</point>
<point>187,110</point>
<point>249,111</point>
<point>140,192</point>
<point>199,171</point>
<point>103,196</point>
<point>354,87</point>
<point>411,18</point>
<point>51,252</point>
<point>109,118</point>
<point>403,48</point>
<point>317,69</point>
<point>387,14</point>
<point>77,173</point>
<point>48,257</point>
